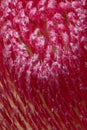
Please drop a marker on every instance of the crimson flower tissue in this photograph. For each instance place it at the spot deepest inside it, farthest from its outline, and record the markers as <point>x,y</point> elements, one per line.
<point>43,65</point>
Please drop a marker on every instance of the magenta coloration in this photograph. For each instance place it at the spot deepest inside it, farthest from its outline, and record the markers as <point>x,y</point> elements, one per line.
<point>43,65</point>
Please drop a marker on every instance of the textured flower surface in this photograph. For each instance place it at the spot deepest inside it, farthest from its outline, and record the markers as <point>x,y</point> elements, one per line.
<point>43,65</point>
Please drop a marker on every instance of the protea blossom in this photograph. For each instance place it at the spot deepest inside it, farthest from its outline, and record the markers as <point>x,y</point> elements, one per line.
<point>43,65</point>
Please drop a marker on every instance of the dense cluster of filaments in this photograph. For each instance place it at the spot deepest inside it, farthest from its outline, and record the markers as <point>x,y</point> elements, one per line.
<point>43,65</point>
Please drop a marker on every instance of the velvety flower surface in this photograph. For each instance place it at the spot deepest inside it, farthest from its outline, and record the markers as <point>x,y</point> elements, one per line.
<point>43,65</point>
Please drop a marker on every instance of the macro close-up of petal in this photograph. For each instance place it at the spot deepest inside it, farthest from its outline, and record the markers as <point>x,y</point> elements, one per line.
<point>43,64</point>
